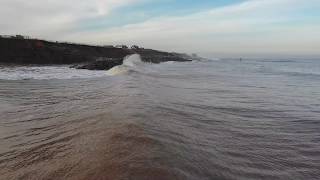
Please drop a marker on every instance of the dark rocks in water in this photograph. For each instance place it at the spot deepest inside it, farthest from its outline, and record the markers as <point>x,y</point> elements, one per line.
<point>153,56</point>
<point>101,63</point>
<point>147,55</point>
<point>160,59</point>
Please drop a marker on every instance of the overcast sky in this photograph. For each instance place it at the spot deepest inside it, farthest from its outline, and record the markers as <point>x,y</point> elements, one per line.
<point>211,27</point>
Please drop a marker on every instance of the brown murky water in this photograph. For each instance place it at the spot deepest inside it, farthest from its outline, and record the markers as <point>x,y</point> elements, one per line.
<point>199,120</point>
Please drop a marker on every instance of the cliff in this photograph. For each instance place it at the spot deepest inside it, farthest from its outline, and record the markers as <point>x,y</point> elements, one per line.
<point>33,51</point>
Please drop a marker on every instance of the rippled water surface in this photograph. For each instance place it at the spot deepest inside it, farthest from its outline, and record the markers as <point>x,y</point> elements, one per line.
<point>207,120</point>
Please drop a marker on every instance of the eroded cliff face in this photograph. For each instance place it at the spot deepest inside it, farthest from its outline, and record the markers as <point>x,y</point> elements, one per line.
<point>31,51</point>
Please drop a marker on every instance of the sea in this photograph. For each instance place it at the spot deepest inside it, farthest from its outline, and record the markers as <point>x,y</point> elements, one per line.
<point>209,119</point>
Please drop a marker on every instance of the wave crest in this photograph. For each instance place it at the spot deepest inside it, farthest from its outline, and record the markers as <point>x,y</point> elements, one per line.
<point>132,63</point>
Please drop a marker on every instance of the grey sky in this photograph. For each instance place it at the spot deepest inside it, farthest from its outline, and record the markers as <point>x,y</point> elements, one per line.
<point>242,27</point>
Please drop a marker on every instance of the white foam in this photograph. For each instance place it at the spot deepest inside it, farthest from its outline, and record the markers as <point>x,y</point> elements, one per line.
<point>45,72</point>
<point>130,63</point>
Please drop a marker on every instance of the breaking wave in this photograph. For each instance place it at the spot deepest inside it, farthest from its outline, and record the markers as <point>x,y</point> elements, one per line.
<point>46,72</point>
<point>131,63</point>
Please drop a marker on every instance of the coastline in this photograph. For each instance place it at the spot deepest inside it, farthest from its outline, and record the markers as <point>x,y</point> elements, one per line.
<point>18,50</point>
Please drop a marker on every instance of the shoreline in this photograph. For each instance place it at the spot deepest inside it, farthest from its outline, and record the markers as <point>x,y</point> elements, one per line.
<point>22,51</point>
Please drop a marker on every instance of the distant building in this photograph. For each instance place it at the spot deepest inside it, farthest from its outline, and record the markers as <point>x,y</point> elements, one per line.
<point>135,47</point>
<point>122,46</point>
<point>19,37</point>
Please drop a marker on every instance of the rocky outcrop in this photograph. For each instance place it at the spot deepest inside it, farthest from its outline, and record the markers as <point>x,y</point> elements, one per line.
<point>99,64</point>
<point>154,56</point>
<point>33,51</point>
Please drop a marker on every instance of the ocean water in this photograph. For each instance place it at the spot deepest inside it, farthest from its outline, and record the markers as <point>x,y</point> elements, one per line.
<point>200,120</point>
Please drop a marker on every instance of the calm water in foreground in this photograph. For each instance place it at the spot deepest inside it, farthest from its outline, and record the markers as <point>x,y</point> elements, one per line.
<point>208,120</point>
